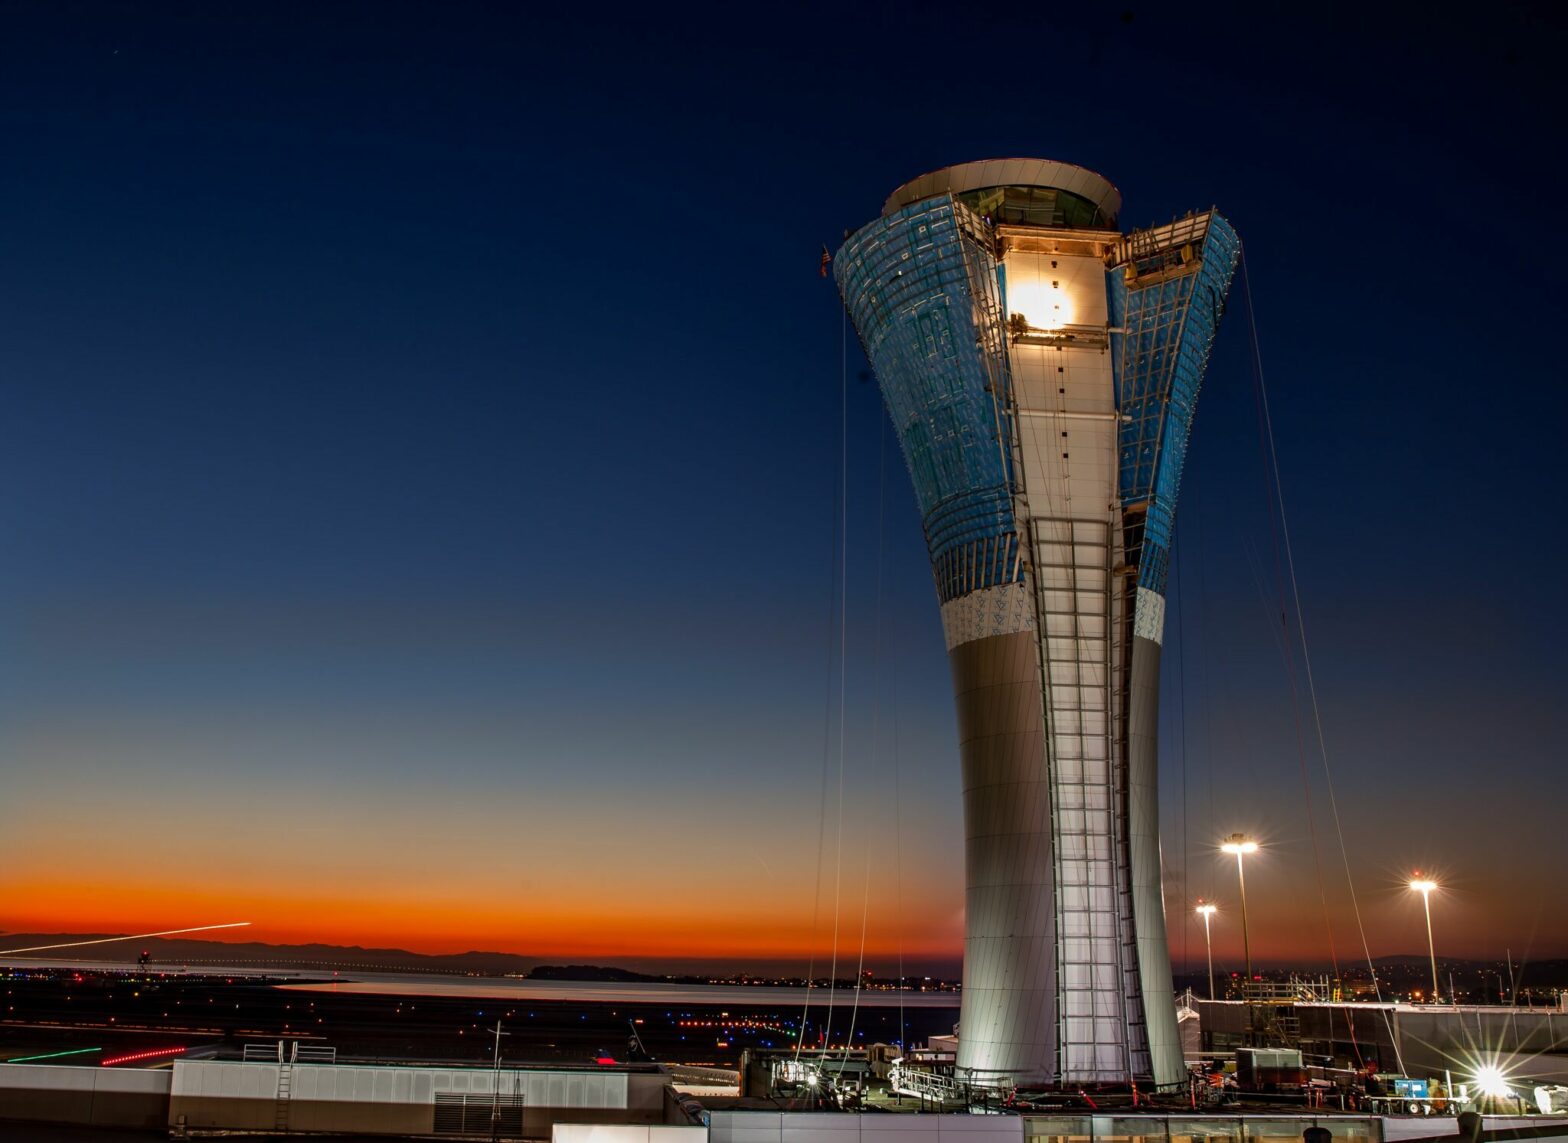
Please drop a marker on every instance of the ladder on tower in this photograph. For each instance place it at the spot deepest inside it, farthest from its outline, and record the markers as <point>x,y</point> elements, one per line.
<point>280,1119</point>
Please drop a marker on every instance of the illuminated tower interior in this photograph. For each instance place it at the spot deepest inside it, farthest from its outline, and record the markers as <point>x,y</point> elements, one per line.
<point>1041,368</point>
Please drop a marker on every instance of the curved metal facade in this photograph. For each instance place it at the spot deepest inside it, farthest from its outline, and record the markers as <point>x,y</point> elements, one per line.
<point>1041,382</point>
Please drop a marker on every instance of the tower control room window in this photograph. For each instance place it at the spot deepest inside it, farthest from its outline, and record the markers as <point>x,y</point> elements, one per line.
<point>1037,206</point>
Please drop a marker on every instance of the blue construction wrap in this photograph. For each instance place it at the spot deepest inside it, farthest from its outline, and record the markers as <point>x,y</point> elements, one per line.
<point>1159,359</point>
<point>924,298</point>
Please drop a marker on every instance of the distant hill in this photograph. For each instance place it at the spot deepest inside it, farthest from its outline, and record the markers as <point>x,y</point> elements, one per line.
<point>310,957</point>
<point>600,972</point>
<point>255,954</point>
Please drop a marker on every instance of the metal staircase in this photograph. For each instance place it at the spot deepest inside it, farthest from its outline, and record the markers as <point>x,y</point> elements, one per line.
<point>1073,580</point>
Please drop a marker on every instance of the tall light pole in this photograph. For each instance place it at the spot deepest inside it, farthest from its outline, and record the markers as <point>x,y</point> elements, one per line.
<point>1206,910</point>
<point>1424,886</point>
<point>1241,845</point>
<point>495,1086</point>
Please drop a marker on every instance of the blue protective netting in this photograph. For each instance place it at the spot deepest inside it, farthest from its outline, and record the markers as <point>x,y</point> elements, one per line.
<point>1169,326</point>
<point>922,296</point>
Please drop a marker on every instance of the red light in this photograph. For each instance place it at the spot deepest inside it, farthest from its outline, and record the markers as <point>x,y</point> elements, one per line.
<point>605,1060</point>
<point>141,1056</point>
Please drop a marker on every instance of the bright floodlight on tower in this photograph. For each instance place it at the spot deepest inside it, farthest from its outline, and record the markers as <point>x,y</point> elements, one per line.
<point>1425,886</point>
<point>1041,369</point>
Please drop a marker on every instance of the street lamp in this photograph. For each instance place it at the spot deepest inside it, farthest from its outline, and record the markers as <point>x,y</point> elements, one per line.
<point>1206,910</point>
<point>1424,886</point>
<point>1241,845</point>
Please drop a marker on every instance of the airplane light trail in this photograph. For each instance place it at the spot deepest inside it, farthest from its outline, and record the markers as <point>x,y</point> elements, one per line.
<point>131,937</point>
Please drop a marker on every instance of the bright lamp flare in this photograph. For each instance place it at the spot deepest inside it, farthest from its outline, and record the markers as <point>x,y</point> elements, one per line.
<point>1207,910</point>
<point>1422,885</point>
<point>1238,843</point>
<point>1492,1082</point>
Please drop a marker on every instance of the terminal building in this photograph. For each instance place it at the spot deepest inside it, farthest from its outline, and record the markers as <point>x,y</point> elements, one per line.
<point>193,1098</point>
<point>1041,368</point>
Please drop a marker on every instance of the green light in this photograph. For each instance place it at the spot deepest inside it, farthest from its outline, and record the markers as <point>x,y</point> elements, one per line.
<point>53,1055</point>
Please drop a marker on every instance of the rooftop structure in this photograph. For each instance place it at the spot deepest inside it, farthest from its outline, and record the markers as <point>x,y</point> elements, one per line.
<point>1041,369</point>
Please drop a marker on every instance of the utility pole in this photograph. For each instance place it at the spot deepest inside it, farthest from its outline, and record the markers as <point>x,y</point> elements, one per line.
<point>495,1086</point>
<point>1206,911</point>
<point>1240,845</point>
<point>1424,886</point>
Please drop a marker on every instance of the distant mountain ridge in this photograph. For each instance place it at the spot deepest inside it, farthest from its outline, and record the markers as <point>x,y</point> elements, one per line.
<point>308,957</point>
<point>165,950</point>
<point>600,972</point>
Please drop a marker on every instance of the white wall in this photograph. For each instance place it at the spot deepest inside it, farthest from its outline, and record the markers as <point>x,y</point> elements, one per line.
<point>342,1083</point>
<point>830,1127</point>
<point>625,1133</point>
<point>47,1077</point>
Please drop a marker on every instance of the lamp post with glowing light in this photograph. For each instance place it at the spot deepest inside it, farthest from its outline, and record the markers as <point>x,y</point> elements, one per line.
<point>1241,845</point>
<point>1206,910</point>
<point>1424,886</point>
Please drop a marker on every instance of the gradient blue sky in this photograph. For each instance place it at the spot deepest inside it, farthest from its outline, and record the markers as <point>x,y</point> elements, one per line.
<point>419,460</point>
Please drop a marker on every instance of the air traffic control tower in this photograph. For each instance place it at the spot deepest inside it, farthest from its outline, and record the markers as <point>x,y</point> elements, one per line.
<point>1041,368</point>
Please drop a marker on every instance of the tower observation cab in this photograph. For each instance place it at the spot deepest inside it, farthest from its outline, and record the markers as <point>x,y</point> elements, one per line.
<point>1040,368</point>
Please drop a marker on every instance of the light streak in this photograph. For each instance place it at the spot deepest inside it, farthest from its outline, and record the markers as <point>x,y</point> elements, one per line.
<point>132,937</point>
<point>52,1055</point>
<point>141,1056</point>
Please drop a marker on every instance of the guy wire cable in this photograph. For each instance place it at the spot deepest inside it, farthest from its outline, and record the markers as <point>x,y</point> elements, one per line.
<point>1306,657</point>
<point>827,739</point>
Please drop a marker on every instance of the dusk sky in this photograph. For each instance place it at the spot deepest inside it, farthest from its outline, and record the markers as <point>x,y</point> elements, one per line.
<point>419,459</point>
